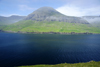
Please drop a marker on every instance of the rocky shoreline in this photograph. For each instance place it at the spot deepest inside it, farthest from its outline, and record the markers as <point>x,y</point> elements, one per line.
<point>45,32</point>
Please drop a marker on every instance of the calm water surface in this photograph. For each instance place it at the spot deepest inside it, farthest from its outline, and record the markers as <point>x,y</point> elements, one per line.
<point>30,49</point>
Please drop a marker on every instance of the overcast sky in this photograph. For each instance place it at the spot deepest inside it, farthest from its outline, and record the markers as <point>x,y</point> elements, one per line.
<point>67,7</point>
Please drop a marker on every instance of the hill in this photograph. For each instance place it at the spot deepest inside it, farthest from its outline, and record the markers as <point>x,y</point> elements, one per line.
<point>47,19</point>
<point>50,14</point>
<point>10,20</point>
<point>52,26</point>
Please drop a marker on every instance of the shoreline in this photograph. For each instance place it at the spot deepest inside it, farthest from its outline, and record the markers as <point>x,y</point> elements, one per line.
<point>80,64</point>
<point>45,32</point>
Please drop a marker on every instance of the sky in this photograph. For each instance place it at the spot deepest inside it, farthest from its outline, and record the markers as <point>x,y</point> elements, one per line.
<point>68,7</point>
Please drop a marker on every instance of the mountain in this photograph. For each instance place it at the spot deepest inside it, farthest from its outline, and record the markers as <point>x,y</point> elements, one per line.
<point>47,19</point>
<point>50,14</point>
<point>94,20</point>
<point>10,20</point>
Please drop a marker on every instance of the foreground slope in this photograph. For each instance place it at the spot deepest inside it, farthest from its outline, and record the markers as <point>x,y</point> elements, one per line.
<point>88,64</point>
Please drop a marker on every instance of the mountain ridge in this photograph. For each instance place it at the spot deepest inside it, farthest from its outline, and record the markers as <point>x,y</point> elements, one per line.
<point>10,19</point>
<point>49,20</point>
<point>50,14</point>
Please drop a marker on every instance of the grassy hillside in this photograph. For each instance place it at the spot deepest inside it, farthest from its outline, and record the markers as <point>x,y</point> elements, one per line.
<point>96,24</point>
<point>88,64</point>
<point>53,26</point>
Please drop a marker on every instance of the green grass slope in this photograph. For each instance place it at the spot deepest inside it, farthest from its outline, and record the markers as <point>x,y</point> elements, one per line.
<point>52,26</point>
<point>88,64</point>
<point>96,24</point>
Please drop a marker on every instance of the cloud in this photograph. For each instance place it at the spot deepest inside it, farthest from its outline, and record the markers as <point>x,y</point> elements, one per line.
<point>67,7</point>
<point>25,7</point>
<point>72,10</point>
<point>80,7</point>
<point>83,3</point>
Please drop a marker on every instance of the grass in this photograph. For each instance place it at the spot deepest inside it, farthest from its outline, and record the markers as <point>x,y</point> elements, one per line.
<point>54,26</point>
<point>96,24</point>
<point>88,64</point>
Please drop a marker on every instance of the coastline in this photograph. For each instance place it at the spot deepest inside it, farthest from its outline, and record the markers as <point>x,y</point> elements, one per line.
<point>46,32</point>
<point>83,64</point>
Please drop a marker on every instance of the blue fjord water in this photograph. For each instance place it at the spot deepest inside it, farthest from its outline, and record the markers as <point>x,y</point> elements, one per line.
<point>30,49</point>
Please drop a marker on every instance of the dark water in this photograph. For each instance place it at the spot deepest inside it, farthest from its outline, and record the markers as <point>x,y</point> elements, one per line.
<point>31,49</point>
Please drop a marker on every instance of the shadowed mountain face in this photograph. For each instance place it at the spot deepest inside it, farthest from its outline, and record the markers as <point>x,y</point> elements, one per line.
<point>10,20</point>
<point>50,14</point>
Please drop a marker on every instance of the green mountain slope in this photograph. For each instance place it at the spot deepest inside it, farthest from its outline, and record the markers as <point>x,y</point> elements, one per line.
<point>47,19</point>
<point>96,24</point>
<point>52,26</point>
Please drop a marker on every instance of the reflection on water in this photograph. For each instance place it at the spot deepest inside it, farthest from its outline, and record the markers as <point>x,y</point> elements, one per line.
<point>31,49</point>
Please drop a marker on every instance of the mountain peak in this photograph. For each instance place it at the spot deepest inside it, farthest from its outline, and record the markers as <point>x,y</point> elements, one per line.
<point>50,14</point>
<point>46,11</point>
<point>46,8</point>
